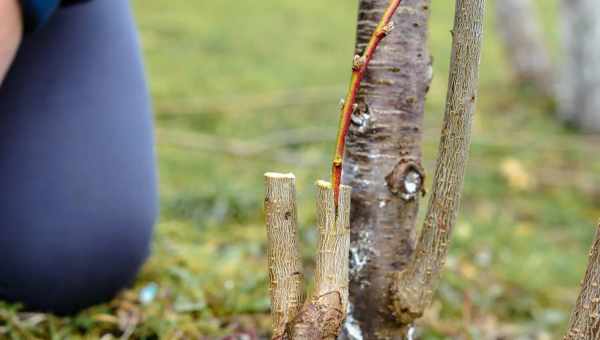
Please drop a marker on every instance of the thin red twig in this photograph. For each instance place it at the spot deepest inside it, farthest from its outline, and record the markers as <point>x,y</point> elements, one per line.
<point>359,66</point>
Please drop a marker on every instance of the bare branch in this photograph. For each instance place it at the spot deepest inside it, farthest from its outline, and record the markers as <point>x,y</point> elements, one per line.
<point>359,67</point>
<point>585,320</point>
<point>413,289</point>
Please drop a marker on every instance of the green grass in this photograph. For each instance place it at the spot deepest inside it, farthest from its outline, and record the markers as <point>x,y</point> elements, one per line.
<point>226,71</point>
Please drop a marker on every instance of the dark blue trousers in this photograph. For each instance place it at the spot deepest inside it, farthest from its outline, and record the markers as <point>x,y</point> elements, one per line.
<point>77,181</point>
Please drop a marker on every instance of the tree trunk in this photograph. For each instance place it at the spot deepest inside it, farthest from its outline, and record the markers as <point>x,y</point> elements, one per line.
<point>383,163</point>
<point>585,320</point>
<point>519,27</point>
<point>390,287</point>
<point>579,88</point>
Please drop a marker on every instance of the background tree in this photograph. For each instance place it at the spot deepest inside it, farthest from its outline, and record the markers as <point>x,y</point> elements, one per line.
<point>519,28</point>
<point>579,88</point>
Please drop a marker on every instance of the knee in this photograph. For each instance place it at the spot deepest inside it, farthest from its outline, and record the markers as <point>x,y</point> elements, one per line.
<point>66,272</point>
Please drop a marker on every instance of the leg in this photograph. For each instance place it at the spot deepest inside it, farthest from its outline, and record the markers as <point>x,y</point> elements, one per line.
<point>77,181</point>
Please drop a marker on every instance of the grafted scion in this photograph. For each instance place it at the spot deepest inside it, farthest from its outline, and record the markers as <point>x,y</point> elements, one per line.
<point>359,67</point>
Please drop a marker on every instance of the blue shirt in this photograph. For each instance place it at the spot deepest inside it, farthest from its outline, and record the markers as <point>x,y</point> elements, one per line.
<point>37,12</point>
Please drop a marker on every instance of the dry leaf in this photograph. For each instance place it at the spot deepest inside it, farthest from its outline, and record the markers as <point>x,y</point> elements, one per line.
<point>516,175</point>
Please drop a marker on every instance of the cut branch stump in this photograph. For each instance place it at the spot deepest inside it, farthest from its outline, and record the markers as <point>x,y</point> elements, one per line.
<point>321,315</point>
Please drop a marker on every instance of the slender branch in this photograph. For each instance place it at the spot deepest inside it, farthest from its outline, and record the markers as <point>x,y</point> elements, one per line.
<point>413,288</point>
<point>359,66</point>
<point>585,320</point>
<point>322,315</point>
<point>285,264</point>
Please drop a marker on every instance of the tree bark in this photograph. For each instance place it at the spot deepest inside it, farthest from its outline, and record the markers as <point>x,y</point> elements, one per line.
<point>320,317</point>
<point>585,320</point>
<point>11,32</point>
<point>360,63</point>
<point>518,25</point>
<point>383,163</point>
<point>414,287</point>
<point>286,281</point>
<point>579,88</point>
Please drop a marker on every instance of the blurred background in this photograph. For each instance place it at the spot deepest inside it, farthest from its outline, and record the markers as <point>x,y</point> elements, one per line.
<point>245,87</point>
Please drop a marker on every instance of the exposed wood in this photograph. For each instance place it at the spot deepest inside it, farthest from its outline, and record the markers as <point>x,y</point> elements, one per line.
<point>585,320</point>
<point>414,287</point>
<point>286,283</point>
<point>322,315</point>
<point>383,162</point>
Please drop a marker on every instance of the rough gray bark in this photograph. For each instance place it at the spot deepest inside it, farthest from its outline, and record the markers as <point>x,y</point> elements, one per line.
<point>518,25</point>
<point>585,320</point>
<point>579,87</point>
<point>414,287</point>
<point>383,163</point>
